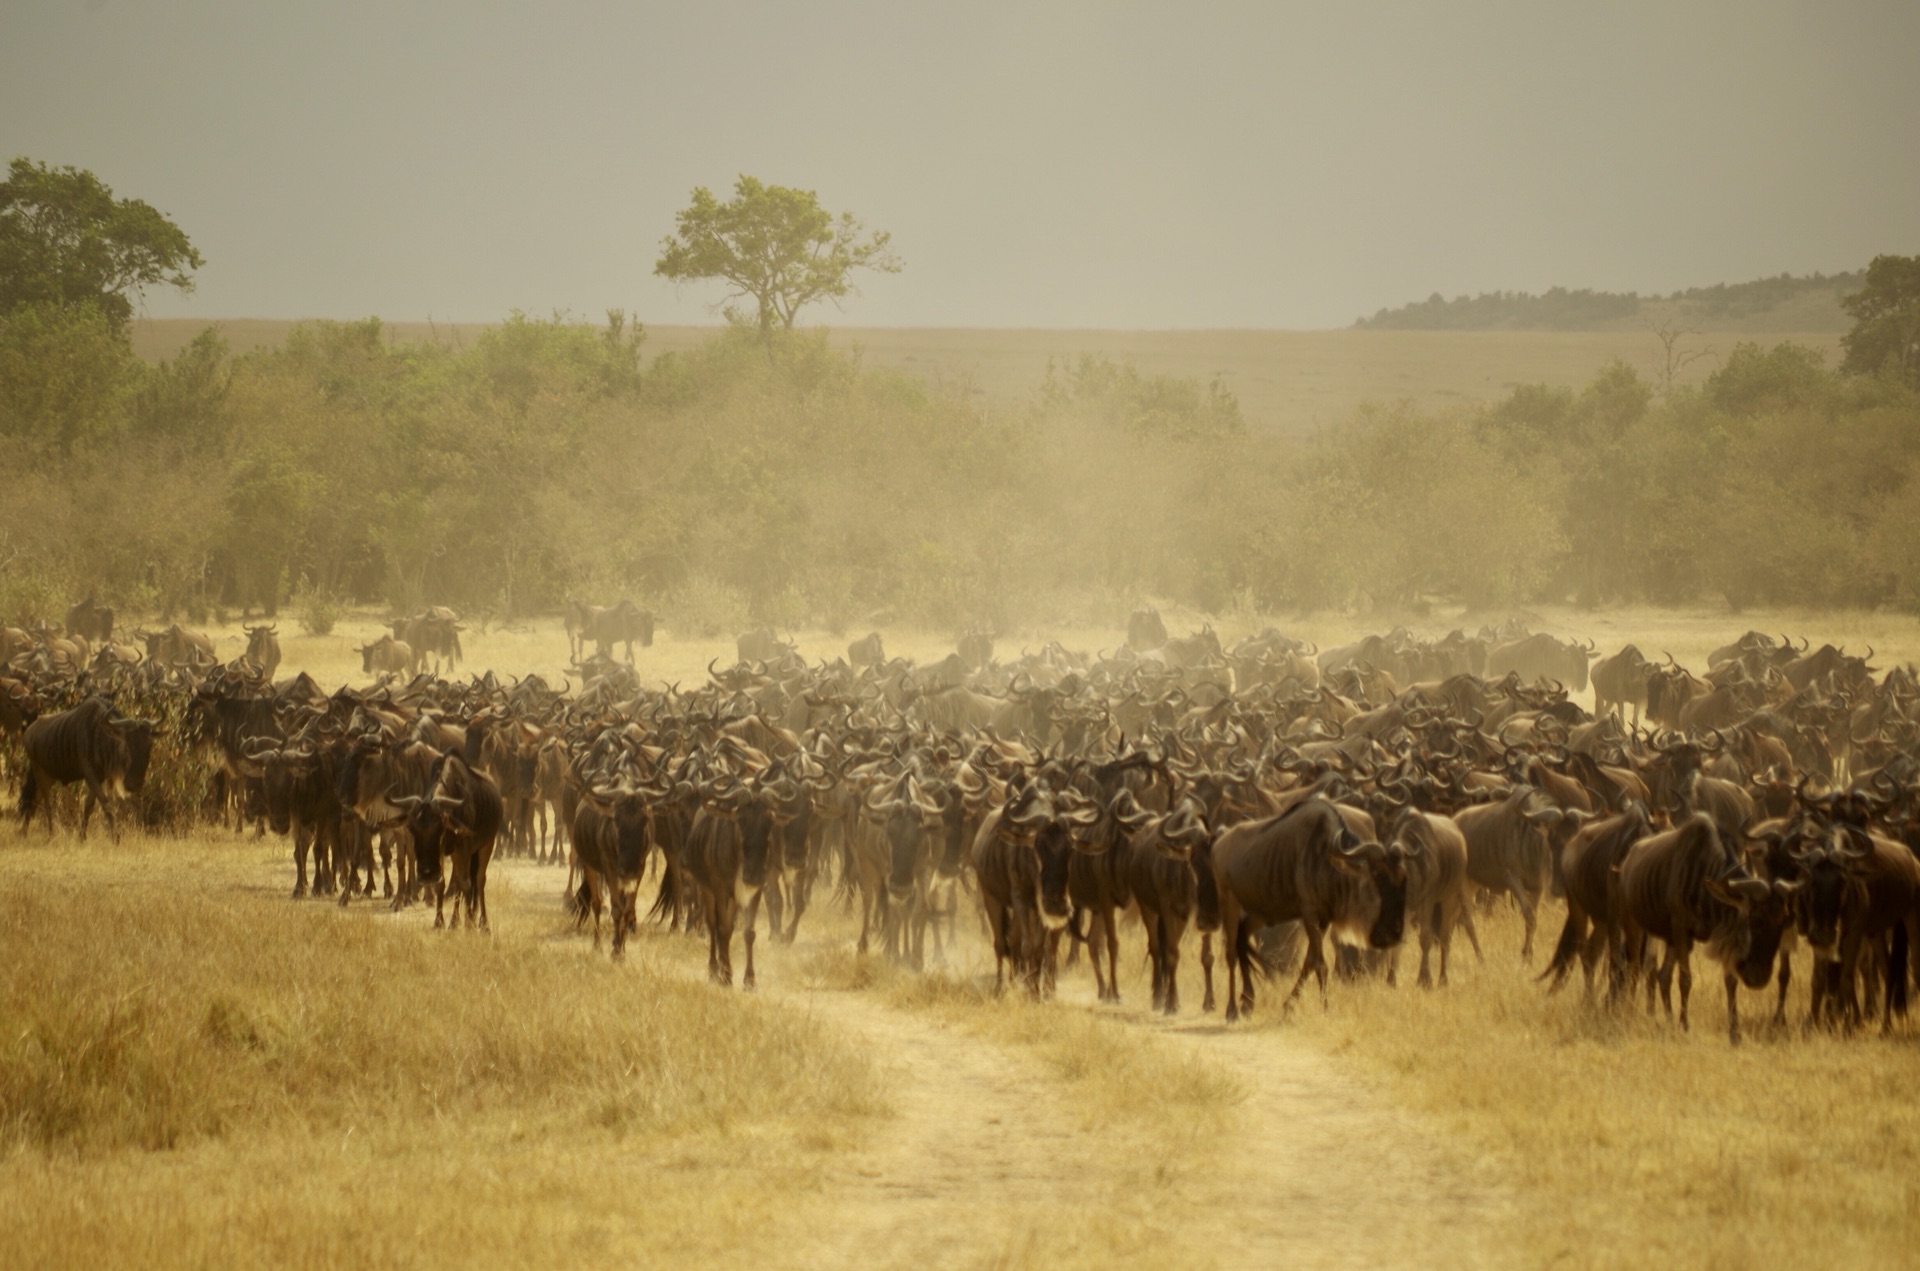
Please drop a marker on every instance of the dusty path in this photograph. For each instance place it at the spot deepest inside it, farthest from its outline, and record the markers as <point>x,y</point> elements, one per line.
<point>991,1160</point>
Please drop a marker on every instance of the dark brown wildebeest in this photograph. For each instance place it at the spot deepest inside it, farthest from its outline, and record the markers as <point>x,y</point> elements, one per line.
<point>371,776</point>
<point>1145,631</point>
<point>1540,657</point>
<point>302,802</point>
<point>91,743</point>
<point>611,838</point>
<point>1683,887</point>
<point>263,650</point>
<point>454,824</point>
<point>1097,884</point>
<point>1020,861</point>
<point>1508,850</point>
<point>1859,889</point>
<point>1621,682</point>
<point>90,619</point>
<point>1586,867</point>
<point>867,651</point>
<point>1170,879</point>
<point>1304,866</point>
<point>388,655</point>
<point>728,848</point>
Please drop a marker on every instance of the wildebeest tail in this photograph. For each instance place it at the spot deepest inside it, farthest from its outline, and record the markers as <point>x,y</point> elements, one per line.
<point>579,903</point>
<point>666,903</point>
<point>29,796</point>
<point>1563,952</point>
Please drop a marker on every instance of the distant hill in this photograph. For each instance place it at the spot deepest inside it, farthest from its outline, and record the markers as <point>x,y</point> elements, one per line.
<point>1785,303</point>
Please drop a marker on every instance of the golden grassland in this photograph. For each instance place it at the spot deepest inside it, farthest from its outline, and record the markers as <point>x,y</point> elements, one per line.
<point>1288,382</point>
<point>195,1070</point>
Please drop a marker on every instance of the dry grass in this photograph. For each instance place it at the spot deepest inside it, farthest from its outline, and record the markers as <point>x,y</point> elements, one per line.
<point>194,1071</point>
<point>1289,382</point>
<point>1640,1145</point>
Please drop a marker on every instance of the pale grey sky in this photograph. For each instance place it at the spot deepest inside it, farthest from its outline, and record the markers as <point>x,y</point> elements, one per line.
<point>1039,164</point>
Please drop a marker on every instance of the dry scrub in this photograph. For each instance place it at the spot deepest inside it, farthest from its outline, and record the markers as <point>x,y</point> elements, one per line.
<point>193,1070</point>
<point>1641,1145</point>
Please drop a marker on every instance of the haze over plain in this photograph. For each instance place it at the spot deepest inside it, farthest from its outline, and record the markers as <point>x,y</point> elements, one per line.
<point>1067,165</point>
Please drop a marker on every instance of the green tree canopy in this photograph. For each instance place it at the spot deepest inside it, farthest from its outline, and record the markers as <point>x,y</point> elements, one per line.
<point>774,245</point>
<point>1886,320</point>
<point>65,241</point>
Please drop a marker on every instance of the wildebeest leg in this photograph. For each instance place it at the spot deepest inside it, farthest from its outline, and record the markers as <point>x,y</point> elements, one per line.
<point>1111,921</point>
<point>1315,964</point>
<point>1529,901</point>
<point>752,918</point>
<point>1156,957</point>
<point>482,857</point>
<point>386,868</point>
<point>1786,975</point>
<point>1683,949</point>
<point>1176,927</point>
<point>1473,934</point>
<point>1733,1009</point>
<point>1206,970</point>
<point>1229,944</point>
<point>300,844</point>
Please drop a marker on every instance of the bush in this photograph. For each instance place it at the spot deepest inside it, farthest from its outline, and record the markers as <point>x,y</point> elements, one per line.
<point>316,611</point>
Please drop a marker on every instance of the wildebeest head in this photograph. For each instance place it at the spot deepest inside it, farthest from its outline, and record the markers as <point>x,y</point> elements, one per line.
<point>1384,869</point>
<point>1058,822</point>
<point>908,813</point>
<point>1760,912</point>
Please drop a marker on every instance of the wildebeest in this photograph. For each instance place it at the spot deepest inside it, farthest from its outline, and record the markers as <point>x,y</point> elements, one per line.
<point>90,743</point>
<point>177,646</point>
<point>263,650</point>
<point>867,651</point>
<point>1683,887</point>
<point>607,626</point>
<point>611,837</point>
<point>1304,866</point>
<point>975,648</point>
<point>91,619</point>
<point>455,823</point>
<point>727,854</point>
<point>1621,681</point>
<point>432,632</point>
<point>1507,850</point>
<point>1145,631</point>
<point>1586,870</point>
<point>1170,880</point>
<point>388,655</point>
<point>761,645</point>
<point>1020,859</point>
<point>1539,657</point>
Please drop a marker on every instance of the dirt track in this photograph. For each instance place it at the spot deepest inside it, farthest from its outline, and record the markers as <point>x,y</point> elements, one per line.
<point>990,1159</point>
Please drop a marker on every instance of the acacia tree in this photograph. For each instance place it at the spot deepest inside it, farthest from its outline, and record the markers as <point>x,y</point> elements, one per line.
<point>67,243</point>
<point>1886,320</point>
<point>774,245</point>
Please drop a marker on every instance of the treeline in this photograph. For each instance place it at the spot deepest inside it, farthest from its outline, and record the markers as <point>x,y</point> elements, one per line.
<point>1560,309</point>
<point>722,487</point>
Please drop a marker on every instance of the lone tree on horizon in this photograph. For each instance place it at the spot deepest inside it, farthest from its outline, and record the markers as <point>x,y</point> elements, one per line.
<point>775,245</point>
<point>68,244</point>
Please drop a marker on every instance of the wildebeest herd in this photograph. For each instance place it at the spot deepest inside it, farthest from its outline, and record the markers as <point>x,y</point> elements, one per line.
<point>1272,796</point>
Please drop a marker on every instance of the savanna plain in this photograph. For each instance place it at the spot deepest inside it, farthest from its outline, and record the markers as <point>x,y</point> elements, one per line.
<point>196,1070</point>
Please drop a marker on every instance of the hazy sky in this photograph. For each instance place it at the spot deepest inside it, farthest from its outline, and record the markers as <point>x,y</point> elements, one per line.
<point>1097,164</point>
